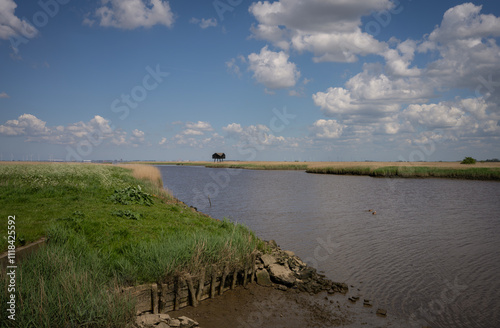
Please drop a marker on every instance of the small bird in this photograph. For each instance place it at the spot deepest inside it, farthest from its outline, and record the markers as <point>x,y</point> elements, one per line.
<point>374,212</point>
<point>370,210</point>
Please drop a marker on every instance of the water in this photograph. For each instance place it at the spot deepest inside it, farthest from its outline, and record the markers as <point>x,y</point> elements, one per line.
<point>431,254</point>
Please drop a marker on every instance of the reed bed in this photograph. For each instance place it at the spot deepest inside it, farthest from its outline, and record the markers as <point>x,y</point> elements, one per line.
<point>453,170</point>
<point>152,174</point>
<point>480,173</point>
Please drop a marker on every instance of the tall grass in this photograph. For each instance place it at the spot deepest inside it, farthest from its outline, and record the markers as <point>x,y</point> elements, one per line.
<point>91,250</point>
<point>58,287</point>
<point>479,173</point>
<point>152,174</point>
<point>341,170</point>
<point>145,172</point>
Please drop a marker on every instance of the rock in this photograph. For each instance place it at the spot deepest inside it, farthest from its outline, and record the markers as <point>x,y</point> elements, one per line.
<point>281,275</point>
<point>283,288</point>
<point>382,312</point>
<point>187,322</point>
<point>340,287</point>
<point>148,319</point>
<point>268,259</point>
<point>174,323</point>
<point>164,317</point>
<point>306,273</point>
<point>162,325</point>
<point>299,262</point>
<point>289,253</point>
<point>263,278</point>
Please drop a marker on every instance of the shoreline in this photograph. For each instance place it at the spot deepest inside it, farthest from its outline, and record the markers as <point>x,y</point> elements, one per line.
<point>73,233</point>
<point>291,281</point>
<point>300,297</point>
<point>283,291</point>
<point>486,171</point>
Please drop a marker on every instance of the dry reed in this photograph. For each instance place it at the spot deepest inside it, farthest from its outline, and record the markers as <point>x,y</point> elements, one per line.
<point>152,174</point>
<point>145,172</point>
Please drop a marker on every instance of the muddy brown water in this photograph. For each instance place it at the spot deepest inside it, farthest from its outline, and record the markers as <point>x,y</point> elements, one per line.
<point>431,253</point>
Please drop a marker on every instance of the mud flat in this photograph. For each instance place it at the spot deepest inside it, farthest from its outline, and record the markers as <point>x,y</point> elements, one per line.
<point>288,293</point>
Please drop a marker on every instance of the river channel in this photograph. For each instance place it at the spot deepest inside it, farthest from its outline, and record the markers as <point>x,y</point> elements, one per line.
<point>431,254</point>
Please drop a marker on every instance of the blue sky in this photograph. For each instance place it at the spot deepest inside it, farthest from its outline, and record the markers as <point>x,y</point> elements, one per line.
<point>271,80</point>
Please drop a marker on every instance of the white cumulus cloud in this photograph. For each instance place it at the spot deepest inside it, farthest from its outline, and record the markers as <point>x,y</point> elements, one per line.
<point>25,125</point>
<point>273,69</point>
<point>331,30</point>
<point>97,130</point>
<point>204,22</point>
<point>327,129</point>
<point>131,14</point>
<point>11,25</point>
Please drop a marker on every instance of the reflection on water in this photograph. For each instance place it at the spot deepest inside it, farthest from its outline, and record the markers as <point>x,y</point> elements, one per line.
<point>430,254</point>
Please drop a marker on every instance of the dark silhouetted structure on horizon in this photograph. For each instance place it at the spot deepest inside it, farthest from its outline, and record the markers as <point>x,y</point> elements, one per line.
<point>219,157</point>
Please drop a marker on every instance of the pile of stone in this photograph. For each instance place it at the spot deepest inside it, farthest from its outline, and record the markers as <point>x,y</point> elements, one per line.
<point>148,320</point>
<point>284,270</point>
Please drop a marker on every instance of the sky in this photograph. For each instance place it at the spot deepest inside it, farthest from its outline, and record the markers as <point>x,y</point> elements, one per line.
<point>287,80</point>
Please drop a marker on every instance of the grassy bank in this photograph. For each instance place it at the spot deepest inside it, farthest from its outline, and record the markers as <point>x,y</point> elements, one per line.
<point>414,172</point>
<point>107,226</point>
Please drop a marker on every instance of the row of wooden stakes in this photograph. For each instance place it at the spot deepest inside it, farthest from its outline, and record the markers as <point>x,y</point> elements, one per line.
<point>187,289</point>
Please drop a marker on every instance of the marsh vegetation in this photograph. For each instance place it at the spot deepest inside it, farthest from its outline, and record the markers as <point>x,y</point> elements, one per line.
<point>107,226</point>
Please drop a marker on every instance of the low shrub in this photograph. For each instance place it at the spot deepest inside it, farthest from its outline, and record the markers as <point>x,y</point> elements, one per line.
<point>468,160</point>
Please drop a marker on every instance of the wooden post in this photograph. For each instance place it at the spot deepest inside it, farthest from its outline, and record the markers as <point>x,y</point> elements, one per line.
<point>235,277</point>
<point>177,288</point>
<point>161,299</point>
<point>201,284</point>
<point>254,268</point>
<point>245,271</point>
<point>192,292</point>
<point>223,280</point>
<point>154,298</point>
<point>214,279</point>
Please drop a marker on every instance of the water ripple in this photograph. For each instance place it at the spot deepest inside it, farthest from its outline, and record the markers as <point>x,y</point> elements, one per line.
<point>430,254</point>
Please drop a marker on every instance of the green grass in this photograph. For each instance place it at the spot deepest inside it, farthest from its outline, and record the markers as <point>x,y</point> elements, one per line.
<point>414,172</point>
<point>341,170</point>
<point>98,240</point>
